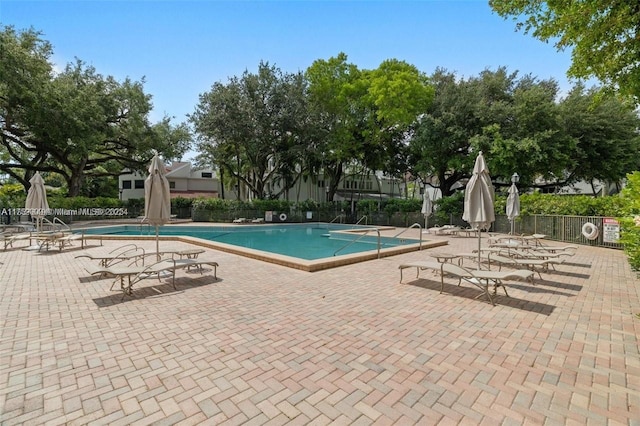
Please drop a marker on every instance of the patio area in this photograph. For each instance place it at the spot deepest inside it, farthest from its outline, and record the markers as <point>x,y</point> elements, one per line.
<point>266,344</point>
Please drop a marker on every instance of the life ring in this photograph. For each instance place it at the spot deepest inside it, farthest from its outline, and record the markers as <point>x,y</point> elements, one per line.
<point>283,217</point>
<point>590,231</point>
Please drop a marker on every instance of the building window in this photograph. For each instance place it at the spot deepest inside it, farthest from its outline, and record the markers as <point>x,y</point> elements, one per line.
<point>321,184</point>
<point>126,184</point>
<point>207,174</point>
<point>139,184</point>
<point>172,184</point>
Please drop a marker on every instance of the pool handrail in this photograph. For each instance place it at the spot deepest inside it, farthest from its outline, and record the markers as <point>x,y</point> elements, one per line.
<point>340,216</point>
<point>360,220</point>
<point>415,225</point>
<point>358,239</point>
<point>53,223</point>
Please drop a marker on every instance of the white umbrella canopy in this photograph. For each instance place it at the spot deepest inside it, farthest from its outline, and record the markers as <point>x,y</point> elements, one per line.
<point>37,199</point>
<point>157,198</point>
<point>479,200</point>
<point>513,205</point>
<point>427,208</point>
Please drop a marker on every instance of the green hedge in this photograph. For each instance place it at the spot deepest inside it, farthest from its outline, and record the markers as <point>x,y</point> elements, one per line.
<point>570,205</point>
<point>630,220</point>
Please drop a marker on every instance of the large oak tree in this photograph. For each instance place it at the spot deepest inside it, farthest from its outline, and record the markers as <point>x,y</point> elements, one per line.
<point>76,123</point>
<point>604,36</point>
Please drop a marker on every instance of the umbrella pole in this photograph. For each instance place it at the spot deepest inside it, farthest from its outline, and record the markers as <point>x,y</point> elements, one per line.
<point>479,252</point>
<point>157,244</point>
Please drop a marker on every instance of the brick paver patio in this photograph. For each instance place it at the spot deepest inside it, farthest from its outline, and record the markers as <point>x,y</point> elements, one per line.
<point>265,344</point>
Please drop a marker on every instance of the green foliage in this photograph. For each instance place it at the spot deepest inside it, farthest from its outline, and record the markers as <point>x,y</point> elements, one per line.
<point>255,128</point>
<point>216,204</point>
<point>308,205</point>
<point>391,207</point>
<point>447,207</point>
<point>396,205</point>
<point>630,220</point>
<point>76,123</point>
<point>601,35</point>
<point>367,207</point>
<point>136,204</point>
<point>72,203</point>
<point>12,195</point>
<point>271,205</point>
<point>181,202</point>
<point>576,205</point>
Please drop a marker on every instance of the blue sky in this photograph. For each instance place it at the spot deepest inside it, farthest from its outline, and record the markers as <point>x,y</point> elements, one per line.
<point>183,47</point>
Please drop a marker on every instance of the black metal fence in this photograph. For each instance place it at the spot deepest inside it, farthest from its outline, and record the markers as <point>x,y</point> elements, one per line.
<point>557,228</point>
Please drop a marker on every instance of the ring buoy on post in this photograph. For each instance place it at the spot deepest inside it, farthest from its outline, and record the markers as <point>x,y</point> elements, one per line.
<point>283,217</point>
<point>590,231</point>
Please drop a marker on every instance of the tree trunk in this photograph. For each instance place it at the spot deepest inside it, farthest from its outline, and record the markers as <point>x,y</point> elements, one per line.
<point>74,182</point>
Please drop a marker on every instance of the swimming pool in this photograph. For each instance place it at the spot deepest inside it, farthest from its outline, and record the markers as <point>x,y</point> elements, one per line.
<point>308,246</point>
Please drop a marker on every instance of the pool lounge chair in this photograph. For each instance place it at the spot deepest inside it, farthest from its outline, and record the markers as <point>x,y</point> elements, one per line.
<point>120,254</point>
<point>479,278</point>
<point>532,253</point>
<point>60,240</point>
<point>188,253</point>
<point>135,273</point>
<point>10,238</point>
<point>569,250</point>
<point>68,239</point>
<point>534,264</point>
<point>534,239</point>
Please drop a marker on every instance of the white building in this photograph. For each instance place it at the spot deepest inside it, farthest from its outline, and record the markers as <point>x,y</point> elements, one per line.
<point>184,181</point>
<point>188,182</point>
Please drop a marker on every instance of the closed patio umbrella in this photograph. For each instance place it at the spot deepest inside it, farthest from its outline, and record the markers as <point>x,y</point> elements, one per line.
<point>479,200</point>
<point>36,202</point>
<point>157,199</point>
<point>427,208</point>
<point>513,205</point>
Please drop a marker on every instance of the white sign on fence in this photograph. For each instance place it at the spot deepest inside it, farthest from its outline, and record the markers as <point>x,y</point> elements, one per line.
<point>610,230</point>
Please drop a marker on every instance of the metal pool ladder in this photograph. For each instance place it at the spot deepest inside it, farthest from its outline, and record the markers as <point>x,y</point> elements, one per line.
<point>415,225</point>
<point>358,239</point>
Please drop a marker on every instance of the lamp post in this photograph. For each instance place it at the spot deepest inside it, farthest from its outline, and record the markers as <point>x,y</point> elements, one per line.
<point>515,178</point>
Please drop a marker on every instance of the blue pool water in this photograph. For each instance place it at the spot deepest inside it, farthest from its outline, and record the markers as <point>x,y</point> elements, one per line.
<point>304,241</point>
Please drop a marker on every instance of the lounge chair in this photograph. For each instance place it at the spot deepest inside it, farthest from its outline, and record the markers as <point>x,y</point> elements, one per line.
<point>120,254</point>
<point>240,220</point>
<point>444,230</point>
<point>195,263</point>
<point>57,239</point>
<point>45,240</point>
<point>10,238</point>
<point>534,239</point>
<point>459,257</point>
<point>532,264</point>
<point>68,239</point>
<point>479,278</point>
<point>136,273</point>
<point>570,250</point>
<point>532,253</point>
<point>188,253</point>
<point>132,272</point>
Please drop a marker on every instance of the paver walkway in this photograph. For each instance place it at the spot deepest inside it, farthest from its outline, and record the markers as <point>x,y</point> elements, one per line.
<point>265,344</point>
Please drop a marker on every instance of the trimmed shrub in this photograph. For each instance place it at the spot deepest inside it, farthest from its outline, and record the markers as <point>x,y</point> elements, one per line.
<point>630,220</point>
